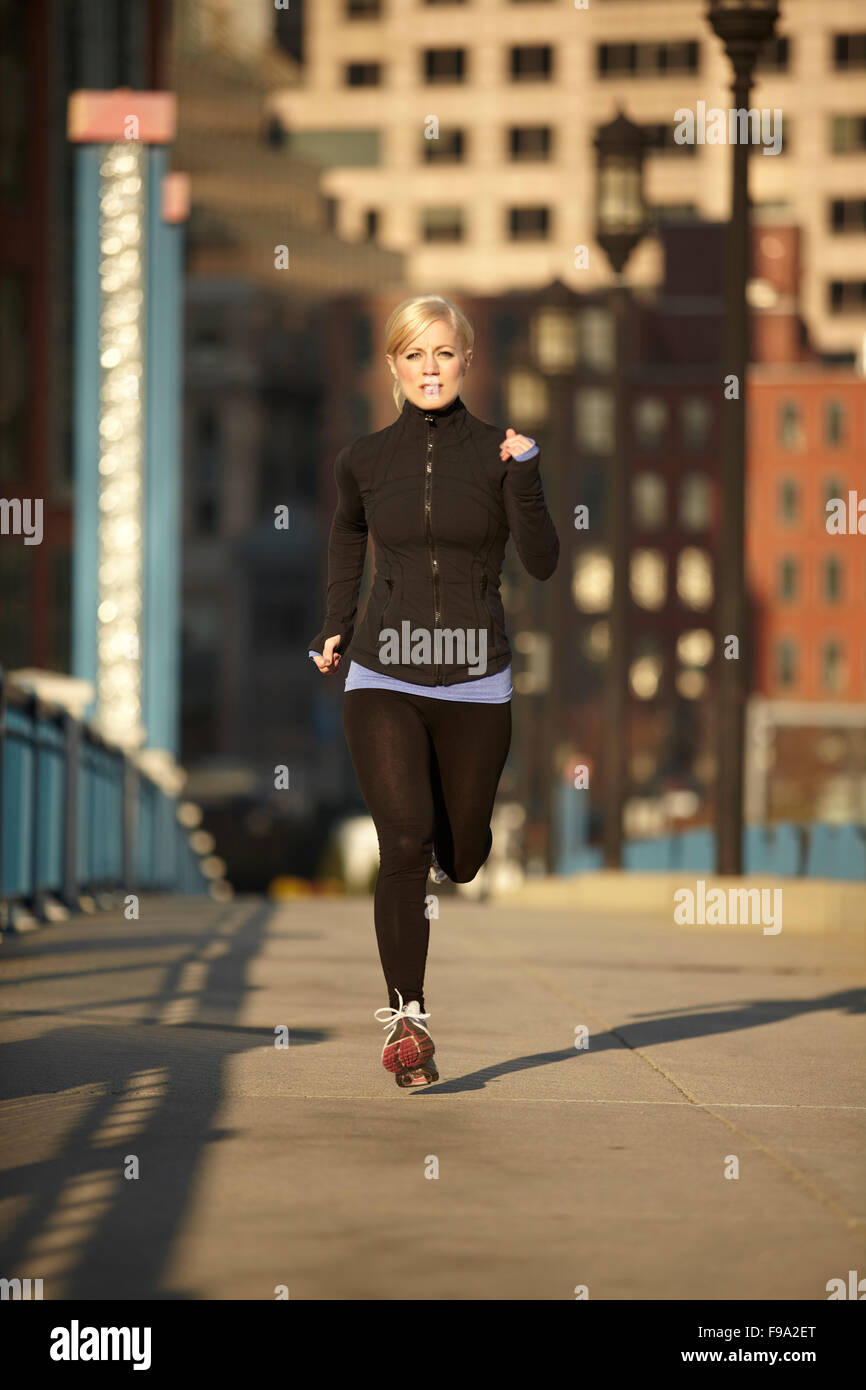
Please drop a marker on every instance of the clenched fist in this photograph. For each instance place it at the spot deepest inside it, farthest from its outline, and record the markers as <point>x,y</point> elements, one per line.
<point>329,660</point>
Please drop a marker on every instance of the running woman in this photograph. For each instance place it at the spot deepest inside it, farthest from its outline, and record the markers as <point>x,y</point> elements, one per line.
<point>426,709</point>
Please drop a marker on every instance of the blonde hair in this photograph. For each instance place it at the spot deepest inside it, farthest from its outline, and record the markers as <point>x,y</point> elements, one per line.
<point>414,315</point>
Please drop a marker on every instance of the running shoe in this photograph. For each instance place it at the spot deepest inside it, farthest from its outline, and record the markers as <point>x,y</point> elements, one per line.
<point>408,1050</point>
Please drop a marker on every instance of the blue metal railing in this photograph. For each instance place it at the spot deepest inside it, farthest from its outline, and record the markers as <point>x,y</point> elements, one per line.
<point>78,816</point>
<point>813,850</point>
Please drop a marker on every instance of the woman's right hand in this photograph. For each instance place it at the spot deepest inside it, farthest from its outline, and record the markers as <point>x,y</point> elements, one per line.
<point>329,660</point>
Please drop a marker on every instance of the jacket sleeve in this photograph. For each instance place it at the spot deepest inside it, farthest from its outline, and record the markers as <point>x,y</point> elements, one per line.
<point>347,548</point>
<point>529,521</point>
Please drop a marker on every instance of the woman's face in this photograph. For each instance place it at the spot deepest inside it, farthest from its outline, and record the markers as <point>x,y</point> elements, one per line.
<point>431,367</point>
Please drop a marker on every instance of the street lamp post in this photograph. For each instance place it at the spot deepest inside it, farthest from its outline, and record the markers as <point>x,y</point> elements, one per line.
<point>744,27</point>
<point>621,222</point>
<point>554,340</point>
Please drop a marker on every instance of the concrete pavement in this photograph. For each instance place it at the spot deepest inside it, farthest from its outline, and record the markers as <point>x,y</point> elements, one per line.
<point>532,1168</point>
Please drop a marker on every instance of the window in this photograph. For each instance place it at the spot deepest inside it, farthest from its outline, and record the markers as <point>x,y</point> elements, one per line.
<point>775,55</point>
<point>786,663</point>
<point>847,296</point>
<point>648,500</point>
<point>532,63</point>
<point>648,579</point>
<point>847,134</point>
<point>594,492</point>
<point>790,425</point>
<point>833,489</point>
<point>444,64</point>
<point>788,579</point>
<point>659,139</point>
<point>363,74</point>
<point>695,419</point>
<point>691,684</point>
<point>694,578</point>
<point>594,420</point>
<point>834,423</point>
<point>650,421</point>
<point>694,650</point>
<point>530,142</point>
<point>595,641</point>
<point>449,148</point>
<point>645,673</point>
<point>647,59</point>
<point>695,502</point>
<point>695,647</point>
<point>849,52</point>
<point>847,215</point>
<point>596,337</point>
<point>553,334</point>
<point>442,224</point>
<point>788,500</point>
<point>363,9</point>
<point>528,224</point>
<point>357,148</point>
<point>527,397</point>
<point>833,669</point>
<point>371,224</point>
<point>592,585</point>
<point>831,579</point>
<point>615,58</point>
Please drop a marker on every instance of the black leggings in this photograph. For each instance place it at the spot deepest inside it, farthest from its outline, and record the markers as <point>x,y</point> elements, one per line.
<point>428,770</point>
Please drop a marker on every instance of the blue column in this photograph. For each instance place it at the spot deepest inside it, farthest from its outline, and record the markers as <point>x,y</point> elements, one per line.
<point>85,546</point>
<point>573,821</point>
<point>162,471</point>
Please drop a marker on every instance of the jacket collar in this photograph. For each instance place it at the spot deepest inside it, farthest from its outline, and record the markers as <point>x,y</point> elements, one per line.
<point>450,415</point>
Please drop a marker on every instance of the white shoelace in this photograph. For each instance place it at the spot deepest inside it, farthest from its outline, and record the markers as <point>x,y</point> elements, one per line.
<point>390,1017</point>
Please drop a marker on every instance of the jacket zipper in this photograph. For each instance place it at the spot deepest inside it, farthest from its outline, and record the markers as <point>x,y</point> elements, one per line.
<point>431,546</point>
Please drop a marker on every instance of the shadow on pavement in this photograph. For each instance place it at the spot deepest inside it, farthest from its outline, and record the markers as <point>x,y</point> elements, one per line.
<point>163,1082</point>
<point>672,1026</point>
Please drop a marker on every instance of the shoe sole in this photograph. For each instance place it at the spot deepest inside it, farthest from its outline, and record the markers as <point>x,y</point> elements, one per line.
<point>418,1076</point>
<point>413,1049</point>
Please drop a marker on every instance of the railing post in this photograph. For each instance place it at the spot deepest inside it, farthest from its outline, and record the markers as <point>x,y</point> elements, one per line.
<point>37,905</point>
<point>72,752</point>
<point>130,826</point>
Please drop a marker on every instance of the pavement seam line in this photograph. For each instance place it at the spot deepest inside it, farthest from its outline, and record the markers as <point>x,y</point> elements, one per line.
<point>794,1173</point>
<point>852,1222</point>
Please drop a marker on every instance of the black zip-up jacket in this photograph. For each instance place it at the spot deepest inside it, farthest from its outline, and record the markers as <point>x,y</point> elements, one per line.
<point>439,502</point>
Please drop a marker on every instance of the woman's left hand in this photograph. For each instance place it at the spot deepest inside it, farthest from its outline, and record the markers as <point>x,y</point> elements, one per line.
<point>513,444</point>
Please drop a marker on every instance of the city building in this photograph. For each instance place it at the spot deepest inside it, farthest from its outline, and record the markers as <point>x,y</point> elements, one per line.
<point>49,51</point>
<point>807,569</point>
<point>483,113</point>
